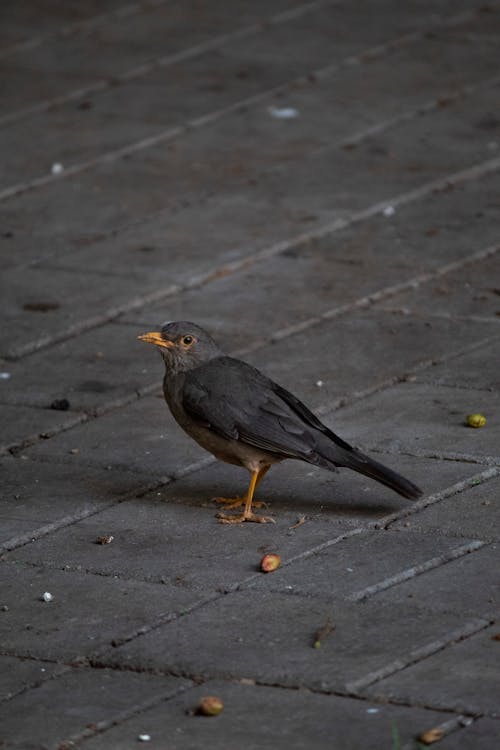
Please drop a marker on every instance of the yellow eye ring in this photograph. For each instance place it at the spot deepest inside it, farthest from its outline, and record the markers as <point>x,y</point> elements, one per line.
<point>188,340</point>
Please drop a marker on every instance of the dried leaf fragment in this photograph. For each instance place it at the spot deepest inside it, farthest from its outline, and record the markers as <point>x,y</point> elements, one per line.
<point>322,633</point>
<point>298,523</point>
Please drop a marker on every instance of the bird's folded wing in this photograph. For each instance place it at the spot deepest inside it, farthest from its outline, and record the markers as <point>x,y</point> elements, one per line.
<point>239,403</point>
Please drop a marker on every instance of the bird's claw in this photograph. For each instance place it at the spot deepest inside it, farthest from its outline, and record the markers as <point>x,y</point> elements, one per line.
<point>242,517</point>
<point>230,503</point>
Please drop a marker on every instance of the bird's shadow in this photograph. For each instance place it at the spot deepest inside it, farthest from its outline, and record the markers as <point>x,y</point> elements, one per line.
<point>330,501</point>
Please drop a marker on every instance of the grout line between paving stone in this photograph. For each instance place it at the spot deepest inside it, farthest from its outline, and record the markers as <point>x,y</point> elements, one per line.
<point>211,117</point>
<point>446,728</point>
<point>384,523</point>
<point>99,727</point>
<point>340,402</point>
<point>481,38</point>
<point>59,671</point>
<point>196,50</point>
<point>469,458</point>
<point>67,424</point>
<point>196,466</point>
<point>456,178</point>
<point>409,376</point>
<point>433,105</point>
<point>321,411</point>
<point>353,688</point>
<point>159,622</point>
<point>456,317</point>
<point>416,570</point>
<point>32,536</point>
<point>454,489</point>
<point>459,386</point>
<point>302,555</point>
<point>385,292</point>
<point>86,25</point>
<point>463,714</point>
<point>419,654</point>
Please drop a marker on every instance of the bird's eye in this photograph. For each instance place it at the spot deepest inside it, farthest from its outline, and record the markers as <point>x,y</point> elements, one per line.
<point>187,340</point>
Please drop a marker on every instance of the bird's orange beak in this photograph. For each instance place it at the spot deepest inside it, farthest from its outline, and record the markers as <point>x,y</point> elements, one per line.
<point>155,337</point>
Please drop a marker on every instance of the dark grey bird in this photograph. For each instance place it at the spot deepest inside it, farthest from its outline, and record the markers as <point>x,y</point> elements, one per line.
<point>244,418</point>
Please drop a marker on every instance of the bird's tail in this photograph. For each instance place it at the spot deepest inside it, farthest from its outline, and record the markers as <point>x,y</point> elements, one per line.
<point>370,468</point>
<point>357,461</point>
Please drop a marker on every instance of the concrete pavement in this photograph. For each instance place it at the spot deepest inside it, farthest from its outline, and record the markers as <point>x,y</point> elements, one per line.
<point>316,183</point>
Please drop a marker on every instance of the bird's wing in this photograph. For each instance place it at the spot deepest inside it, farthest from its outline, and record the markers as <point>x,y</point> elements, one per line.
<point>306,414</point>
<point>239,403</point>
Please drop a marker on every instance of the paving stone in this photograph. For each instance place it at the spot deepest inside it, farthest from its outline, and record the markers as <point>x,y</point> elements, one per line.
<point>311,174</point>
<point>168,244</point>
<point>130,40</point>
<point>14,529</point>
<point>81,702</point>
<point>150,533</point>
<point>356,563</point>
<point>468,585</point>
<point>462,677</point>
<point>120,115</point>
<point>341,276</point>
<point>305,720</point>
<point>398,417</point>
<point>159,447</point>
<point>40,303</point>
<point>22,424</point>
<point>395,161</point>
<point>107,363</point>
<point>473,513</point>
<point>346,355</point>
<point>268,637</point>
<point>141,249</point>
<point>404,157</point>
<point>476,369</point>
<point>133,230</point>
<point>151,537</point>
<point>296,488</point>
<point>87,613</point>
<point>21,23</point>
<point>282,284</point>
<point>36,494</point>
<point>351,353</point>
<point>482,735</point>
<point>17,674</point>
<point>91,370</point>
<point>360,364</point>
<point>362,350</point>
<point>471,291</point>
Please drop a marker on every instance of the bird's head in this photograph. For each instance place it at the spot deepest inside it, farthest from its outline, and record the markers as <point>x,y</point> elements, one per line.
<point>183,345</point>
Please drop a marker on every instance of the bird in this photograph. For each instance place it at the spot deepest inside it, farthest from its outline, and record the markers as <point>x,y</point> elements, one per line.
<point>243,417</point>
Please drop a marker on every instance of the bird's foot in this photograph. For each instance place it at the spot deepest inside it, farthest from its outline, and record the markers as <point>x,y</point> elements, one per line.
<point>242,517</point>
<point>230,503</point>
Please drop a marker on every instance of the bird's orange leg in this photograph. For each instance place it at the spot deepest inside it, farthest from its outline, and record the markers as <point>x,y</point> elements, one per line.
<point>230,503</point>
<point>247,514</point>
